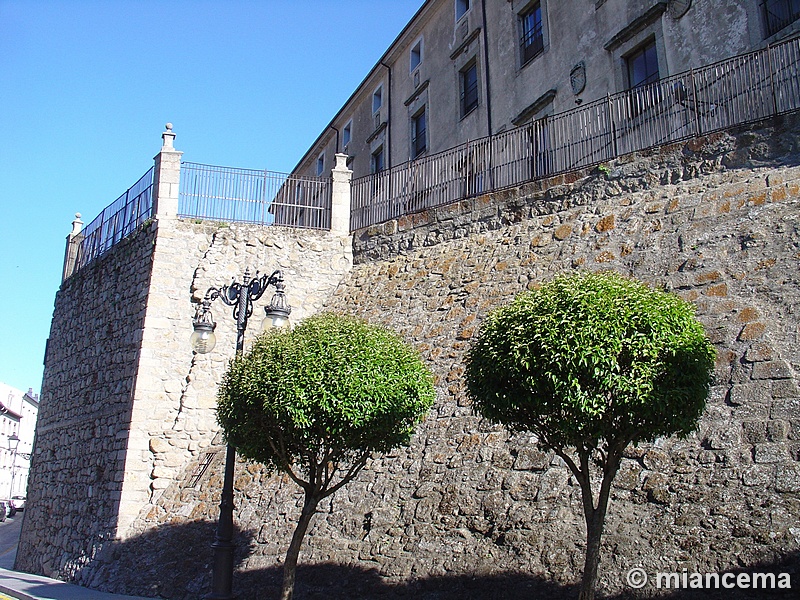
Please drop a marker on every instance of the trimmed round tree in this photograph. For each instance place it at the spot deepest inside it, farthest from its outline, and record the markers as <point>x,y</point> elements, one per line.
<point>317,401</point>
<point>591,363</point>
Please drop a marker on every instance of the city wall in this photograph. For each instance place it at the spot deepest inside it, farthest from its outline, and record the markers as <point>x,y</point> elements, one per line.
<point>469,511</point>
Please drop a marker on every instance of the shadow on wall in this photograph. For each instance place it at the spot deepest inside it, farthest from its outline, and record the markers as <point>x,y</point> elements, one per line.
<point>174,562</point>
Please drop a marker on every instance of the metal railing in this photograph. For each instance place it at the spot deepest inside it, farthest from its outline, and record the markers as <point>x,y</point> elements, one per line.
<point>117,220</point>
<point>226,194</point>
<point>740,90</point>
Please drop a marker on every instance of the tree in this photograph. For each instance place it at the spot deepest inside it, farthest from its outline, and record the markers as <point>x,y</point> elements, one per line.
<point>591,363</point>
<point>317,401</point>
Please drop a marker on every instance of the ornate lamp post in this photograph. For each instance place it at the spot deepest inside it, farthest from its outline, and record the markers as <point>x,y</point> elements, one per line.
<point>13,445</point>
<point>240,296</point>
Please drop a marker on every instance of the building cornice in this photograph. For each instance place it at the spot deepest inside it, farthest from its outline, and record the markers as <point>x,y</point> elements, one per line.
<point>638,24</point>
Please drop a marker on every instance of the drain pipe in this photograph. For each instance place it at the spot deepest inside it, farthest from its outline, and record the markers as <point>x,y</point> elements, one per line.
<point>337,139</point>
<point>388,117</point>
<point>486,69</point>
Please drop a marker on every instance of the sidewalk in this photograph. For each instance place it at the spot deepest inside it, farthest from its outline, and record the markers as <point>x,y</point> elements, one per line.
<point>23,586</point>
<point>15,585</point>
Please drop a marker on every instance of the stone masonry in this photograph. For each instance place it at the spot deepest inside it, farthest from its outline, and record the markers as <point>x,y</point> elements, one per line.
<point>468,510</point>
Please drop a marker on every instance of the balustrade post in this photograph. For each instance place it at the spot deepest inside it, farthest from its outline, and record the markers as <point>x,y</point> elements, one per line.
<point>696,107</point>
<point>340,196</point>
<point>166,177</point>
<point>74,240</point>
<point>772,80</point>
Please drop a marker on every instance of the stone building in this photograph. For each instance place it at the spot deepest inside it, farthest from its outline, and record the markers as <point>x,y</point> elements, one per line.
<point>462,70</point>
<point>127,438</point>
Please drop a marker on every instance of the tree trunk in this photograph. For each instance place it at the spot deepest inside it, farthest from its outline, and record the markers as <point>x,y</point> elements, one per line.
<point>594,531</point>
<point>290,564</point>
<point>595,521</point>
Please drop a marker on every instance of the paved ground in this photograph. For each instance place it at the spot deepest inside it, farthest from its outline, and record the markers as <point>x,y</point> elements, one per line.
<point>23,586</point>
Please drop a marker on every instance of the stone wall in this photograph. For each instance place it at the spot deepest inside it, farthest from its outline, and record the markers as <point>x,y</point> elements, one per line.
<point>468,511</point>
<point>176,389</point>
<point>126,405</point>
<point>75,482</point>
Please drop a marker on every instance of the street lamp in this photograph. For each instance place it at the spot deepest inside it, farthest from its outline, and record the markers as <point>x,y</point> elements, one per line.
<point>13,444</point>
<point>240,296</point>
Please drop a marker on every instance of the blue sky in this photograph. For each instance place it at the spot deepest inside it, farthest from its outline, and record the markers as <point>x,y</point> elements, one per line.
<point>87,86</point>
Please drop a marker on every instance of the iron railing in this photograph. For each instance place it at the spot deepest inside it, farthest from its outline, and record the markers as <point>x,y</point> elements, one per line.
<point>117,220</point>
<point>226,194</point>
<point>740,90</point>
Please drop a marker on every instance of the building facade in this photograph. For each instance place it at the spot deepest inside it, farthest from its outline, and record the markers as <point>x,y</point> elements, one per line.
<point>18,411</point>
<point>465,69</point>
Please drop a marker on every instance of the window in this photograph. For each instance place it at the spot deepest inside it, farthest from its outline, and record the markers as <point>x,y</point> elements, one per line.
<point>469,88</point>
<point>532,34</point>
<point>377,162</point>
<point>377,99</point>
<point>462,6</point>
<point>320,163</point>
<point>416,56</point>
<point>347,134</point>
<point>418,134</point>
<point>779,13</point>
<point>643,66</point>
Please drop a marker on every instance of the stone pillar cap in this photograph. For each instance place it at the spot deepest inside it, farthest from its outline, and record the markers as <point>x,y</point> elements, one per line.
<point>169,137</point>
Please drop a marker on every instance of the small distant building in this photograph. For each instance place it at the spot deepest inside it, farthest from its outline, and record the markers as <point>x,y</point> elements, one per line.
<point>18,412</point>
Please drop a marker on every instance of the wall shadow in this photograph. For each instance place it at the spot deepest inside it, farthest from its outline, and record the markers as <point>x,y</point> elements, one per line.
<point>173,561</point>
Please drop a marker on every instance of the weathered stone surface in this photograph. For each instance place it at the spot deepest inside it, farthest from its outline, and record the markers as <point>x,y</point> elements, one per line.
<point>466,497</point>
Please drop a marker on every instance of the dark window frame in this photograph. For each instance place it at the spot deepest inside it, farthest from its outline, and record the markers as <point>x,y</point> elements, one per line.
<point>468,79</point>
<point>462,8</point>
<point>778,14</point>
<point>531,39</point>
<point>419,135</point>
<point>415,56</point>
<point>641,65</point>
<point>378,160</point>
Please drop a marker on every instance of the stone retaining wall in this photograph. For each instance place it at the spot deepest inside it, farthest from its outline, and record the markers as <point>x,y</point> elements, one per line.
<point>82,431</point>
<point>468,511</point>
<point>126,406</point>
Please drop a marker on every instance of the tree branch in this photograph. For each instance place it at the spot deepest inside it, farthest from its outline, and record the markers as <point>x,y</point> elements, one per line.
<point>351,473</point>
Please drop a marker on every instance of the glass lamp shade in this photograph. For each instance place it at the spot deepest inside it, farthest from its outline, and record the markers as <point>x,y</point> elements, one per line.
<point>275,319</point>
<point>13,442</point>
<point>203,339</point>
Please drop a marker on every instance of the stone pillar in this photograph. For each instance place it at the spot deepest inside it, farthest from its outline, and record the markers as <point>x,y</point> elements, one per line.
<point>340,198</point>
<point>74,239</point>
<point>167,177</point>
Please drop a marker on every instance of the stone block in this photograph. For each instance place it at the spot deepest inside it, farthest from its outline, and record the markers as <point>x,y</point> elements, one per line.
<point>785,388</point>
<point>774,369</point>
<point>770,453</point>
<point>778,430</point>
<point>724,436</point>
<point>787,477</point>
<point>759,352</point>
<point>749,393</point>
<point>758,475</point>
<point>754,432</point>
<point>522,486</point>
<point>656,460</point>
<point>785,408</point>
<point>628,475</point>
<point>752,331</point>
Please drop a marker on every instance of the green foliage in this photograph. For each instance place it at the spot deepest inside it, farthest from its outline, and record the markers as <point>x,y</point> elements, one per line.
<point>330,390</point>
<point>592,357</point>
